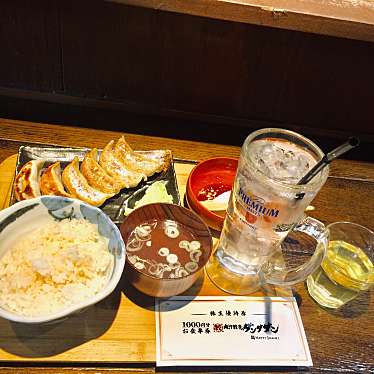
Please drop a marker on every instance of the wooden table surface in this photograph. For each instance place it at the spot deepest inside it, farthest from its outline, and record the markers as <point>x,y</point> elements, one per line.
<point>352,19</point>
<point>338,340</point>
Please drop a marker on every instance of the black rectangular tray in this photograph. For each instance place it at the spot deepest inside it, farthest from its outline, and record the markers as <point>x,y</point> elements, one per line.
<point>115,206</point>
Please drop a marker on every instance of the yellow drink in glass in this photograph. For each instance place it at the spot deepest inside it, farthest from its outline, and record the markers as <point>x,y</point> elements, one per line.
<point>347,268</point>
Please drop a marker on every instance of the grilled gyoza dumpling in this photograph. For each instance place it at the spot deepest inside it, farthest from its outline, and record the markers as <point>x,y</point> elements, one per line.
<point>114,164</point>
<point>50,182</point>
<point>148,164</point>
<point>26,183</point>
<point>77,185</point>
<point>96,176</point>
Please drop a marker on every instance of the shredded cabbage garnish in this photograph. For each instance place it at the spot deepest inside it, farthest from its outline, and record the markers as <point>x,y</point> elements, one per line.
<point>155,193</point>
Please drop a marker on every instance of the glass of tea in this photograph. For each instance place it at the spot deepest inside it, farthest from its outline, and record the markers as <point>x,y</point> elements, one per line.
<point>348,267</point>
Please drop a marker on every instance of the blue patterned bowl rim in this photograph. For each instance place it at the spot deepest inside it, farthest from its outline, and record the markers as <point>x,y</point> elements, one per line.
<point>59,208</point>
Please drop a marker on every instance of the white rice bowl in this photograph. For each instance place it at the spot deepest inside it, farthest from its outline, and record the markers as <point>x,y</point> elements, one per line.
<point>28,216</point>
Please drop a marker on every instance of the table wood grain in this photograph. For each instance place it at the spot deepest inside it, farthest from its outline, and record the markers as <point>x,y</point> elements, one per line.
<point>343,18</point>
<point>339,340</point>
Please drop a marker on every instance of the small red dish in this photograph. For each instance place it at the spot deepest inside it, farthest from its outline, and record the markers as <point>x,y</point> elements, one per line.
<point>207,180</point>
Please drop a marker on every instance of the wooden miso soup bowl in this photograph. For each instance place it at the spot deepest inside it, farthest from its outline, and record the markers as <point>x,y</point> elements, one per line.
<point>185,220</point>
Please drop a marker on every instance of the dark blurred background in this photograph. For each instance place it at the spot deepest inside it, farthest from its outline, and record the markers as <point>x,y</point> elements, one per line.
<point>111,66</point>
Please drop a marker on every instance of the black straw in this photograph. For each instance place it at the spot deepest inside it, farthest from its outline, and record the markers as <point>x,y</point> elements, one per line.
<point>326,159</point>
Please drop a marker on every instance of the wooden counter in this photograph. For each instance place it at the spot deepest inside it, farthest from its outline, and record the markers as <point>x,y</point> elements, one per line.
<point>352,19</point>
<point>338,340</point>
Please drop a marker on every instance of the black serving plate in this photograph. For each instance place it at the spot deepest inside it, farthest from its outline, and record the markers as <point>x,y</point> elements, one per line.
<point>116,205</point>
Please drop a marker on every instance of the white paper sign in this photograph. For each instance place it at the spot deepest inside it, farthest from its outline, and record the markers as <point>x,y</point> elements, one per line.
<point>229,330</point>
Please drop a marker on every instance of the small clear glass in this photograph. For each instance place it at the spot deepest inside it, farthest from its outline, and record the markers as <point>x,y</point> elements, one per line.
<point>348,267</point>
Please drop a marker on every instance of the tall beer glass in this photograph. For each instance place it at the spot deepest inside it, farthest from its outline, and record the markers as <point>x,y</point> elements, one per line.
<point>266,203</point>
